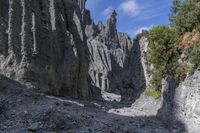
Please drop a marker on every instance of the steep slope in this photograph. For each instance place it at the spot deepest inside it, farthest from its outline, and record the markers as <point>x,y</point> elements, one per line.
<point>43,43</point>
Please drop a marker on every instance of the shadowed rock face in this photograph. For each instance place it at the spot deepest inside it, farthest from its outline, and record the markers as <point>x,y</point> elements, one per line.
<point>52,44</point>
<point>115,64</point>
<point>43,43</point>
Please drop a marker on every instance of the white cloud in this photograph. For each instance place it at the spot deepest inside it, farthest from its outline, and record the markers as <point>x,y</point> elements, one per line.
<point>107,12</point>
<point>91,4</point>
<point>143,28</point>
<point>129,7</point>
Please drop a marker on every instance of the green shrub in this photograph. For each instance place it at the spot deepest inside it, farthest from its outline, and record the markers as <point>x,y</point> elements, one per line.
<point>160,53</point>
<point>143,34</point>
<point>185,15</point>
<point>194,55</point>
<point>152,92</point>
<point>181,72</point>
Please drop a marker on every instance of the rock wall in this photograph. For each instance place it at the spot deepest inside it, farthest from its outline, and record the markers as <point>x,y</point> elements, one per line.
<point>187,102</point>
<point>52,44</point>
<point>43,43</point>
<point>144,59</point>
<point>166,112</point>
<point>184,103</point>
<point>115,64</point>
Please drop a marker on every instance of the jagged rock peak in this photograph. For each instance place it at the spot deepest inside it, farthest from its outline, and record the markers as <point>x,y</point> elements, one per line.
<point>100,26</point>
<point>113,15</point>
<point>111,31</point>
<point>111,23</point>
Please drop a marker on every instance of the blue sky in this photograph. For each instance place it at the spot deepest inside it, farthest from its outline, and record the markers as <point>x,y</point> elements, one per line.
<point>133,15</point>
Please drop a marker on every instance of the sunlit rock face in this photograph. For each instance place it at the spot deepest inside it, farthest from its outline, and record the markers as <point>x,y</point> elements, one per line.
<point>144,59</point>
<point>182,103</point>
<point>43,43</point>
<point>115,64</point>
<point>187,102</point>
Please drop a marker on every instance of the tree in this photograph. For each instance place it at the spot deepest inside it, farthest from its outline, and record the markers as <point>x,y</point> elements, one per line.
<point>185,16</point>
<point>194,55</point>
<point>160,52</point>
<point>175,9</point>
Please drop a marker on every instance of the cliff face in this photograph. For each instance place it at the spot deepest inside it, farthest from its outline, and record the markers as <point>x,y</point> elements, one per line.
<point>187,101</point>
<point>43,43</point>
<point>144,59</point>
<point>114,59</point>
<point>52,44</point>
<point>182,103</point>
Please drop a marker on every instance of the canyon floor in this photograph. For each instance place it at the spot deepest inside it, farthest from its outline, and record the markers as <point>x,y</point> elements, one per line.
<point>24,111</point>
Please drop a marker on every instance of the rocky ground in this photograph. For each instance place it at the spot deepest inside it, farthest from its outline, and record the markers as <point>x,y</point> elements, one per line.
<point>23,111</point>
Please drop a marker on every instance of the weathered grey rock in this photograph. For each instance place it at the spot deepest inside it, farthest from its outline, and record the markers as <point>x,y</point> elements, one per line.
<point>144,58</point>
<point>166,113</point>
<point>43,43</point>
<point>115,64</point>
<point>187,101</point>
<point>111,35</point>
<point>52,44</point>
<point>182,103</point>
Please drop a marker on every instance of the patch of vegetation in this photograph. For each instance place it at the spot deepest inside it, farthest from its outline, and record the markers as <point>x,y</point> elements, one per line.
<point>185,15</point>
<point>160,53</point>
<point>144,33</point>
<point>152,92</point>
<point>194,55</point>
<point>181,72</point>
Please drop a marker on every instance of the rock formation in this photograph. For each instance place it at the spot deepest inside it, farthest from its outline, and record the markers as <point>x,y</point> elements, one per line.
<point>183,102</point>
<point>43,43</point>
<point>114,59</point>
<point>187,102</point>
<point>144,59</point>
<point>166,113</point>
<point>52,44</point>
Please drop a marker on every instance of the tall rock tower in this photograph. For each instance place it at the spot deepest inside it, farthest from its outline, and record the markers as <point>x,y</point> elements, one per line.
<point>43,44</point>
<point>111,31</point>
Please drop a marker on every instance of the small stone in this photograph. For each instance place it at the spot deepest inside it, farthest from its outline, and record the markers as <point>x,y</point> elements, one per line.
<point>27,94</point>
<point>112,131</point>
<point>33,128</point>
<point>57,103</point>
<point>90,130</point>
<point>19,100</point>
<point>25,112</point>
